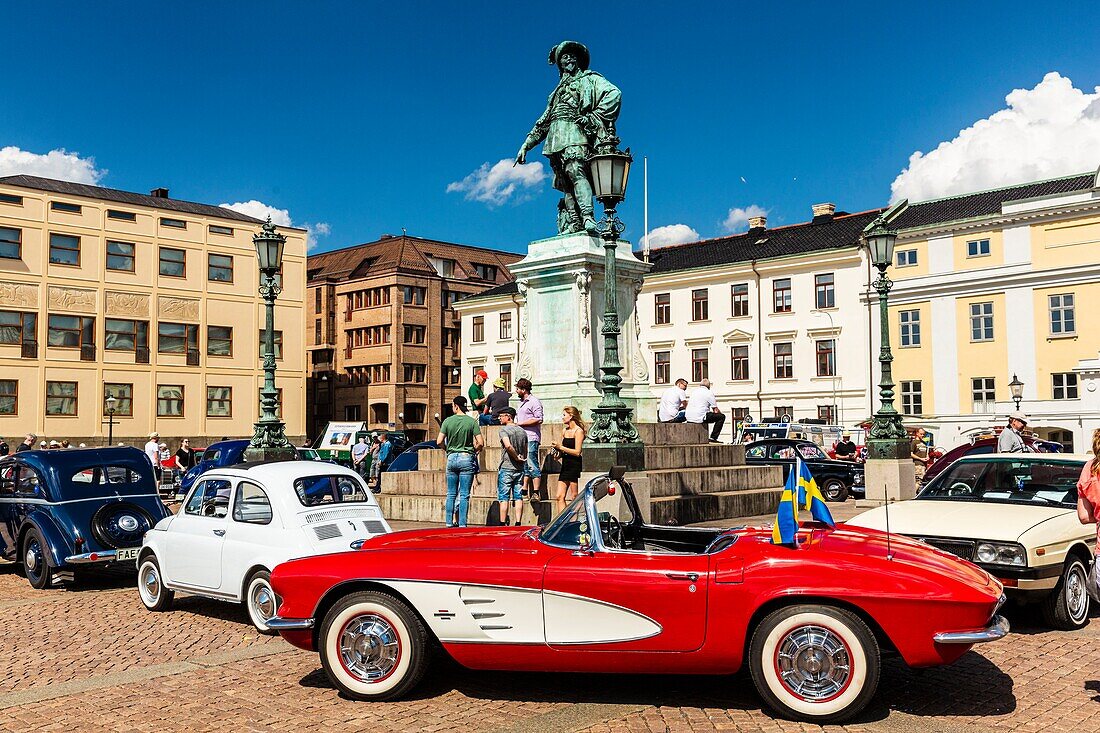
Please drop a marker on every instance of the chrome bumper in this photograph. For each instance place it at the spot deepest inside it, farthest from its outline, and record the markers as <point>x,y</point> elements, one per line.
<point>997,629</point>
<point>289,624</point>
<point>90,557</point>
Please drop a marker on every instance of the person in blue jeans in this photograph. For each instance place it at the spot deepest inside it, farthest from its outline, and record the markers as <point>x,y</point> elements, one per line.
<point>461,436</point>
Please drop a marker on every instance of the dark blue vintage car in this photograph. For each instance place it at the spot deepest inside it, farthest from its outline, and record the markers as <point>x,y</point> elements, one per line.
<point>65,509</point>
<point>222,454</point>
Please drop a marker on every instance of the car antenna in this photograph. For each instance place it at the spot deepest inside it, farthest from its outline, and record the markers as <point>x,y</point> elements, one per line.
<point>886,508</point>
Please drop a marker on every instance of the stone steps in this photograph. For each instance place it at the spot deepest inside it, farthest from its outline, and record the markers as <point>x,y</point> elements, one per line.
<point>659,457</point>
<point>713,480</point>
<point>421,508</point>
<point>709,507</point>
<point>652,434</point>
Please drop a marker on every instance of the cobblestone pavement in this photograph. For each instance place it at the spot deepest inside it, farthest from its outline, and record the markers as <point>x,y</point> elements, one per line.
<point>92,658</point>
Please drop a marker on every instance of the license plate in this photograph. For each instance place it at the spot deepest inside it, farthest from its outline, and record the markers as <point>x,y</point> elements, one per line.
<point>130,553</point>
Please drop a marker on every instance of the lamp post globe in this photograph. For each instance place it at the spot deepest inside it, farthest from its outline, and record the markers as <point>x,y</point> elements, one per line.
<point>1017,388</point>
<point>112,405</point>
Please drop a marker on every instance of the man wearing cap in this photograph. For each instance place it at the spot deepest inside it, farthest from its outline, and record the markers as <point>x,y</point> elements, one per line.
<point>513,460</point>
<point>476,393</point>
<point>152,450</point>
<point>494,403</point>
<point>1010,440</point>
<point>845,448</point>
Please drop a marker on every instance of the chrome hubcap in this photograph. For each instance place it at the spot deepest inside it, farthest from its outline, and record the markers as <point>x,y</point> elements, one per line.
<point>1077,600</point>
<point>369,647</point>
<point>813,663</point>
<point>33,557</point>
<point>150,581</point>
<point>263,600</point>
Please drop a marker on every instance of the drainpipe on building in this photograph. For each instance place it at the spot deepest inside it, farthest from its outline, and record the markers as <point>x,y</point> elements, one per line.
<point>759,346</point>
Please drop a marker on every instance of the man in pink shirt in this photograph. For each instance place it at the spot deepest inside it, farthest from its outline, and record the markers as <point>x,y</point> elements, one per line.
<point>529,417</point>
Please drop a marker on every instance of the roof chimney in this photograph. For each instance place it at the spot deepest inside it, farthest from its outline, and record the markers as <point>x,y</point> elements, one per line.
<point>824,210</point>
<point>159,193</point>
<point>758,222</point>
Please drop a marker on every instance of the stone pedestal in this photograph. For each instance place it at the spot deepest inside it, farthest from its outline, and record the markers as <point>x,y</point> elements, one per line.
<point>891,479</point>
<point>561,294</point>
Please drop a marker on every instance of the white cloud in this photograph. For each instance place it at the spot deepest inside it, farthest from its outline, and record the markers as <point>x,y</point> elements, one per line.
<point>669,235</point>
<point>59,164</point>
<point>738,218</point>
<point>1049,131</point>
<point>281,217</point>
<point>497,184</point>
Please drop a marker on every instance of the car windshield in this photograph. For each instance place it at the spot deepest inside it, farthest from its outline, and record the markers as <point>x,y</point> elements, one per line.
<point>329,489</point>
<point>1023,480</point>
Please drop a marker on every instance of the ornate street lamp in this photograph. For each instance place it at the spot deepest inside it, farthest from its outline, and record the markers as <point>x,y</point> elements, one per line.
<point>269,442</point>
<point>611,420</point>
<point>888,438</point>
<point>1017,388</point>
<point>112,405</point>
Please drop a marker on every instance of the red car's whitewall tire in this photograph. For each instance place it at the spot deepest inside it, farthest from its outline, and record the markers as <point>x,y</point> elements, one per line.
<point>373,646</point>
<point>814,663</point>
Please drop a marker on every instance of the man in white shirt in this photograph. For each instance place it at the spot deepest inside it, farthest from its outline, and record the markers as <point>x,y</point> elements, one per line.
<point>152,450</point>
<point>1010,441</point>
<point>703,408</point>
<point>673,401</point>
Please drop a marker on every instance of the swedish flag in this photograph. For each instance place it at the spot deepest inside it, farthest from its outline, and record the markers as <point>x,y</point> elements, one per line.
<point>785,529</point>
<point>809,496</point>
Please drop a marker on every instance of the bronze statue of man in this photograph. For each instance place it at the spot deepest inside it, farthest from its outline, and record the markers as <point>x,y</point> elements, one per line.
<point>579,120</point>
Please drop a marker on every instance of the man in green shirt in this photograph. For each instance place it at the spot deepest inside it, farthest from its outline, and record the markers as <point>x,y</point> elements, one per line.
<point>461,436</point>
<point>476,393</point>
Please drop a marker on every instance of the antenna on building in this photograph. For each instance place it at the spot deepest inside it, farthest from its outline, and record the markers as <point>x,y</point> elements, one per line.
<point>645,205</point>
<point>403,232</point>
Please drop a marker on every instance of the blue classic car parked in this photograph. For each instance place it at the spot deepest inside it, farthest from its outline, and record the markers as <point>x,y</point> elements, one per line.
<point>225,453</point>
<point>64,509</point>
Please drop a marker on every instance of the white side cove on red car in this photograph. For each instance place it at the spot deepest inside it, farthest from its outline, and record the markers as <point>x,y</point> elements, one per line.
<point>236,524</point>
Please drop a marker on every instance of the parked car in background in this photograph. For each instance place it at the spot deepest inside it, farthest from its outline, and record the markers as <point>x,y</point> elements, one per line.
<point>1015,516</point>
<point>408,460</point>
<point>984,445</point>
<point>836,479</point>
<point>226,453</point>
<point>238,523</point>
<point>62,510</point>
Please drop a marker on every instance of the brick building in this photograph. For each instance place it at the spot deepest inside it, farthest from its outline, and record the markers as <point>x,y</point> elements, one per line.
<point>382,336</point>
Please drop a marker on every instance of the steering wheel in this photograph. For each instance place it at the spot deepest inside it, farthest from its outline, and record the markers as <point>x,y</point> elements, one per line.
<point>959,488</point>
<point>612,531</point>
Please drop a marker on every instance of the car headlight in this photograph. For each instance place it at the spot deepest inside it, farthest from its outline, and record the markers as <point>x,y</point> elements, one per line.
<point>996,553</point>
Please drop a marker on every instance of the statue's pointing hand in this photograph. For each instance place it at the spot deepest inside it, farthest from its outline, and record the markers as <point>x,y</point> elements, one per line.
<point>521,157</point>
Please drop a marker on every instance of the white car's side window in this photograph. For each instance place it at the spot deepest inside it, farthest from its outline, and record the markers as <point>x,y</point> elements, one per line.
<point>251,505</point>
<point>209,499</point>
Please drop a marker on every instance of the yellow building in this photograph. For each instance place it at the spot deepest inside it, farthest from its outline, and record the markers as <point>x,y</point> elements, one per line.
<point>145,297</point>
<point>994,284</point>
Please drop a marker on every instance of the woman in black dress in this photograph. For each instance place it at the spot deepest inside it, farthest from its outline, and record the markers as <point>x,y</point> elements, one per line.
<point>185,456</point>
<point>572,439</point>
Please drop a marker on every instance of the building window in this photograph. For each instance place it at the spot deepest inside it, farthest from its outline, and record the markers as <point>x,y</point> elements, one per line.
<point>64,249</point>
<point>1065,385</point>
<point>662,367</point>
<point>700,305</point>
<point>317,332</point>
<point>662,308</point>
<point>415,412</point>
<point>826,358</point>
<point>317,300</point>
<point>739,363</point>
<point>906,257</point>
<point>506,325</point>
<point>11,243</point>
<point>506,374</point>
<point>825,291</point>
<point>827,413</point>
<point>279,343</point>
<point>977,248</point>
<point>451,337</point>
<point>981,321</point>
<point>224,231</point>
<point>478,329</point>
<point>443,267</point>
<point>784,412</point>
<point>9,396</point>
<point>378,373</point>
<point>414,372</point>
<point>169,400</point>
<point>783,356</point>
<point>700,364</point>
<point>781,295</point>
<point>60,398</point>
<point>66,207</point>
<point>121,215</point>
<point>11,198</point>
<point>739,300</point>
<point>984,393</point>
<point>124,394</point>
<point>219,268</point>
<point>125,335</point>
<point>912,398</point>
<point>17,327</point>
<point>177,338</point>
<point>1063,316</point>
<point>70,332</point>
<point>120,256</point>
<point>352,413</point>
<point>485,272</point>
<point>174,223</point>
<point>219,401</point>
<point>219,340</point>
<point>413,295</point>
<point>909,327</point>
<point>415,334</point>
<point>173,262</point>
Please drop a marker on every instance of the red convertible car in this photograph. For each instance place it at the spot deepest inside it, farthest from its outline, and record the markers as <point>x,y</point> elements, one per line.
<point>597,590</point>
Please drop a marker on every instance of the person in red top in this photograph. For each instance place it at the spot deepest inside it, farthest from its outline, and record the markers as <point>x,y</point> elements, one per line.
<point>1088,487</point>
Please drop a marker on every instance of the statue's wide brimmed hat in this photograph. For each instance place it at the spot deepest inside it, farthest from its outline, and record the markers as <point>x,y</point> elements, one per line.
<point>577,49</point>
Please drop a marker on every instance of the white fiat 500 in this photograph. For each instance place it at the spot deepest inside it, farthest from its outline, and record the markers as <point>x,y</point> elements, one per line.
<point>238,523</point>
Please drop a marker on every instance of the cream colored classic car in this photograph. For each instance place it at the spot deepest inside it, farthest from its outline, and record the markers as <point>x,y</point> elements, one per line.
<point>1015,516</point>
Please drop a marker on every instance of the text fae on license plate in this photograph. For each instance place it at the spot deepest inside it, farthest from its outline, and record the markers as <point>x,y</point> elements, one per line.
<point>129,553</point>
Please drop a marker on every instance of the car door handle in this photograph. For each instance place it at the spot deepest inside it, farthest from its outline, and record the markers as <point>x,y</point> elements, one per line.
<point>683,576</point>
<point>219,532</point>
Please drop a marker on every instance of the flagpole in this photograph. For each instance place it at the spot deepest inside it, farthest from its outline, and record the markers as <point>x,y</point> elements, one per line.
<point>645,205</point>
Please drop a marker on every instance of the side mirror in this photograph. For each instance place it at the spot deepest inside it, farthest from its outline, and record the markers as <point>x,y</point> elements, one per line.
<point>617,473</point>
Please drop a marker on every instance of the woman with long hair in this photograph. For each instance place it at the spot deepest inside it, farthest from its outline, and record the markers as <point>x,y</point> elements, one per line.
<point>572,439</point>
<point>1088,486</point>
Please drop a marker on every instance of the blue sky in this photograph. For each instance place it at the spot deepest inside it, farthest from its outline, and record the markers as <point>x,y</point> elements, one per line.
<point>359,115</point>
